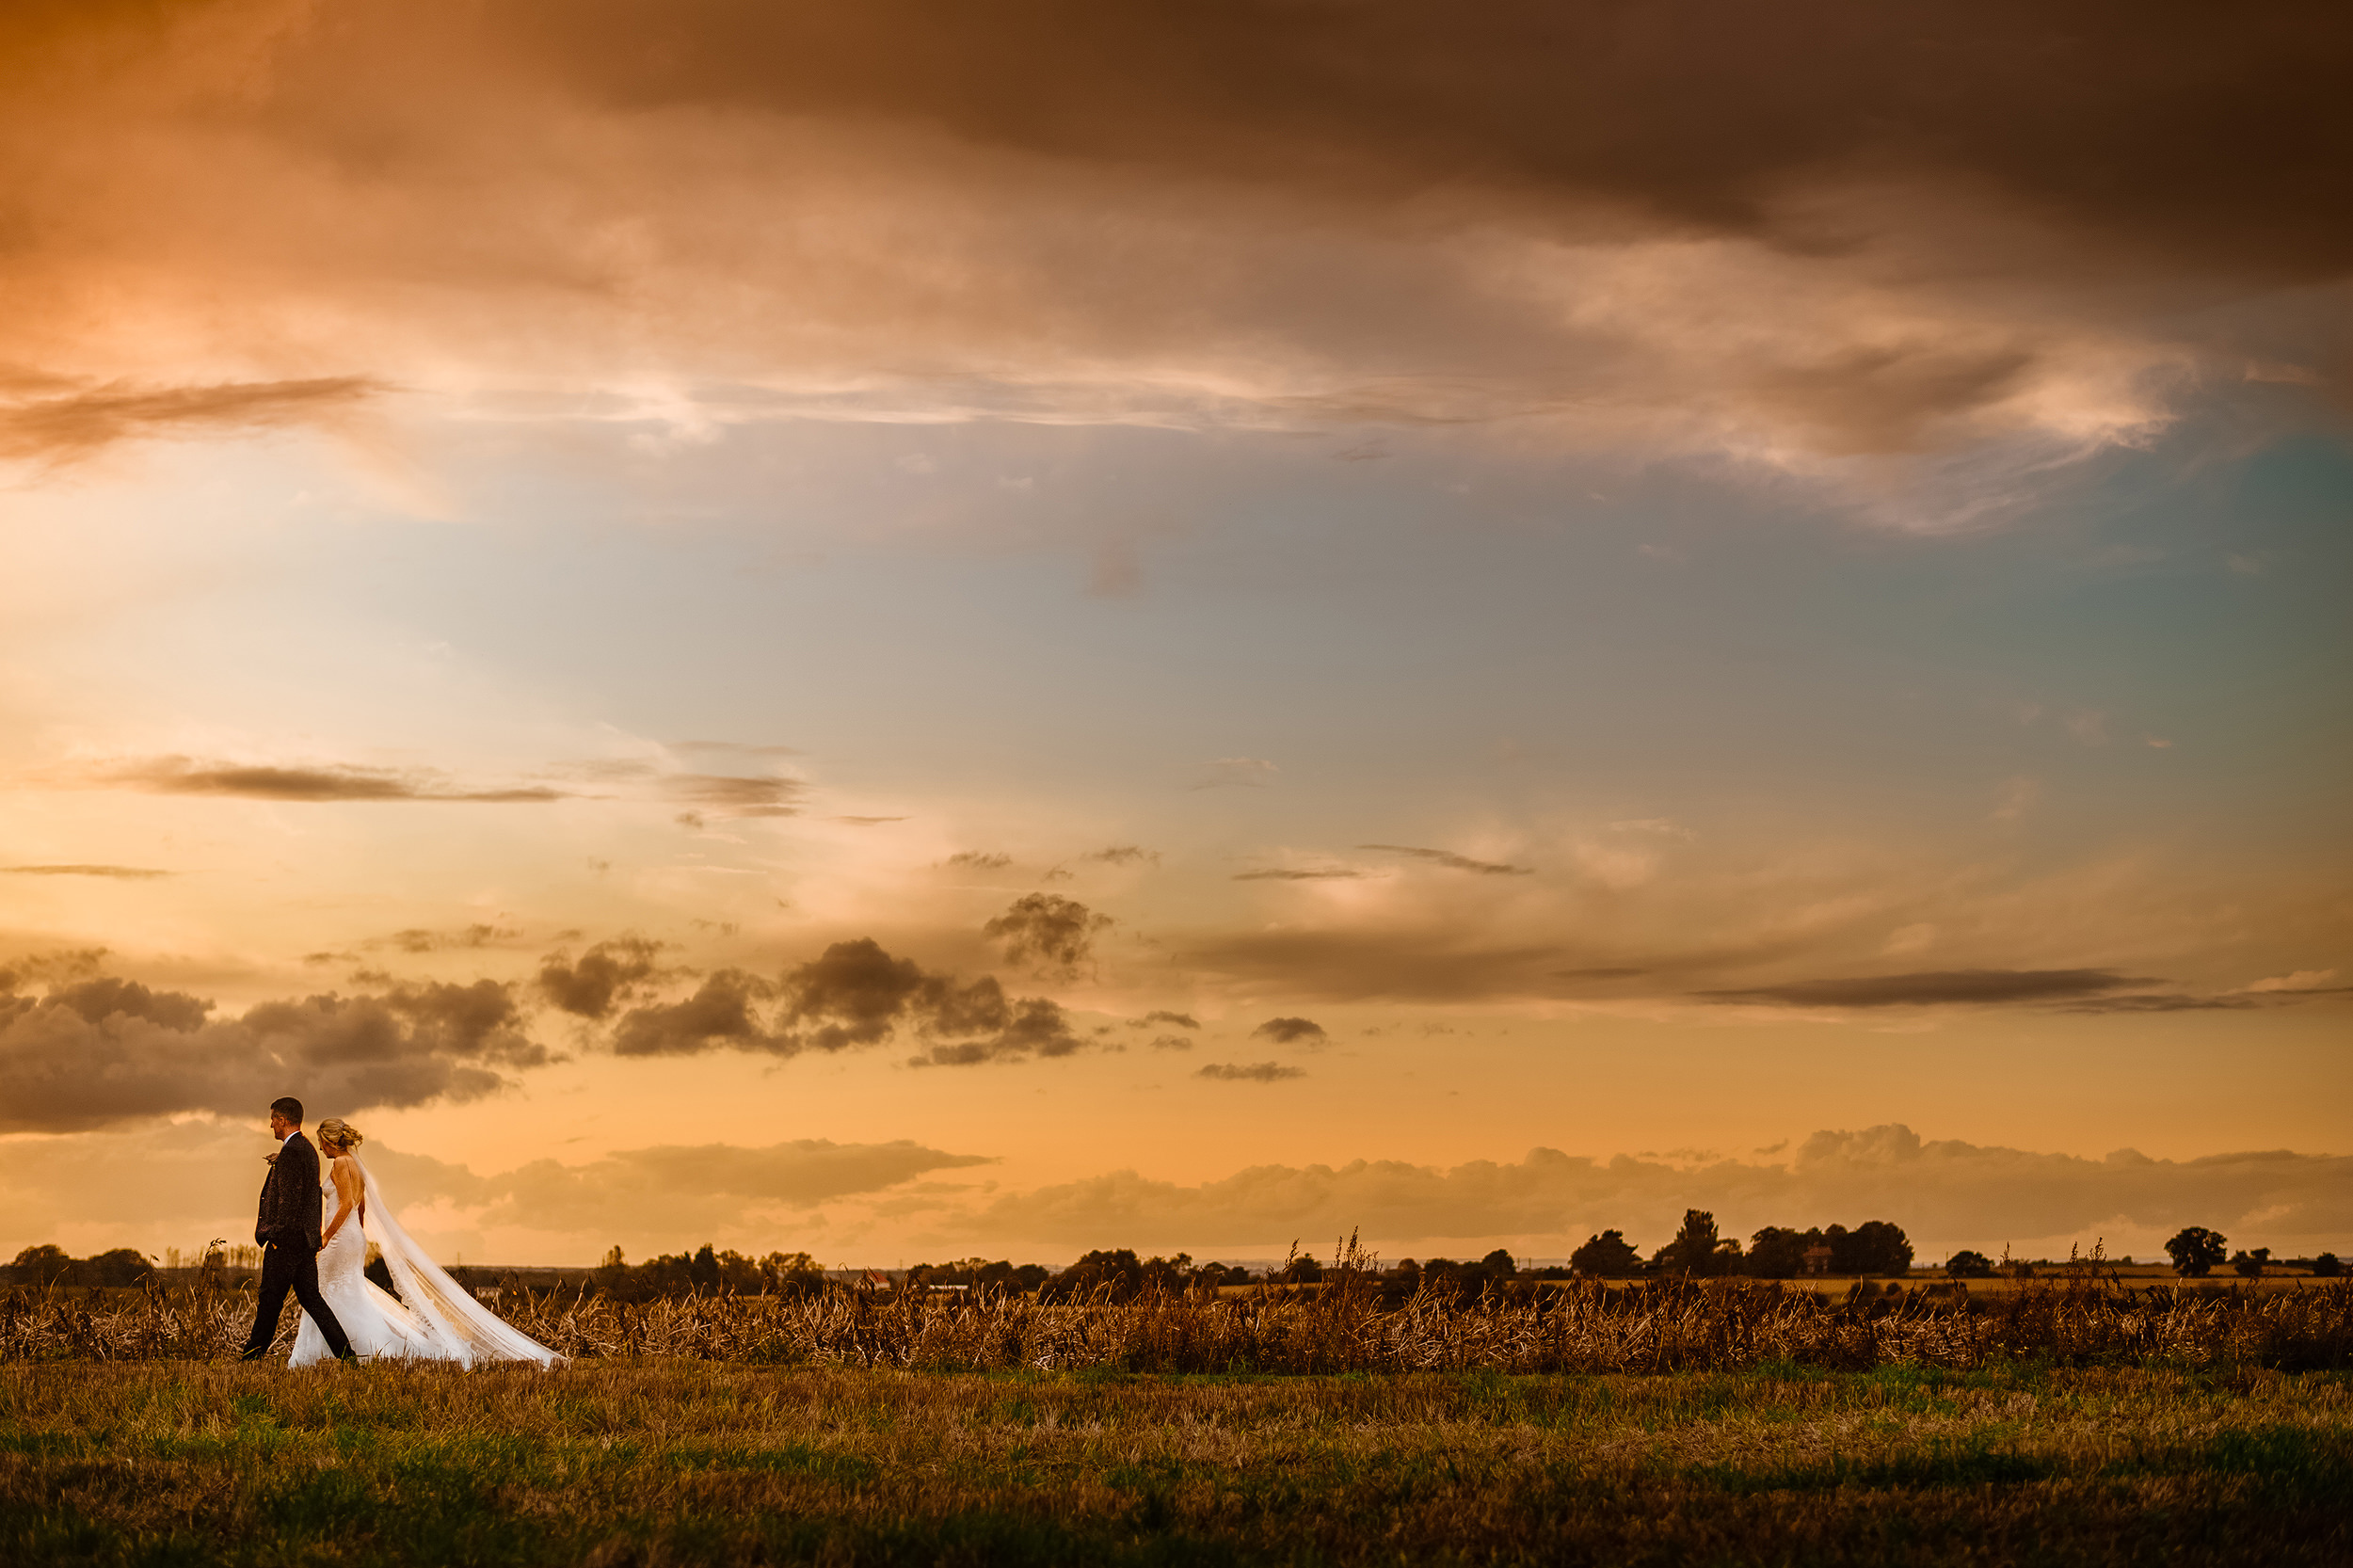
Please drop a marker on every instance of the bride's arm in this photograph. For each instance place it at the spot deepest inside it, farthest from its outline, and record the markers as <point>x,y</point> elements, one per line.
<point>347,1194</point>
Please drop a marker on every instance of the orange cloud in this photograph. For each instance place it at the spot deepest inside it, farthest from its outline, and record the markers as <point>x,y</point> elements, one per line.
<point>1813,239</point>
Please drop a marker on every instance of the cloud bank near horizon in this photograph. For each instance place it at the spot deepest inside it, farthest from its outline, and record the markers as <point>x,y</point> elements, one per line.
<point>819,1195</point>
<point>1945,1190</point>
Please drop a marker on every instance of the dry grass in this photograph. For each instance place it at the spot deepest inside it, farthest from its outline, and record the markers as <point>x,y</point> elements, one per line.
<point>1339,1328</point>
<point>615,1463</point>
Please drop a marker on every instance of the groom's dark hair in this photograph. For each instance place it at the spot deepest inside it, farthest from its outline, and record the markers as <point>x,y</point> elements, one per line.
<point>288,1107</point>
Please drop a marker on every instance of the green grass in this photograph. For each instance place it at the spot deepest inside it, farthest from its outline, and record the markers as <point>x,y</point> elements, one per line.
<point>672,1463</point>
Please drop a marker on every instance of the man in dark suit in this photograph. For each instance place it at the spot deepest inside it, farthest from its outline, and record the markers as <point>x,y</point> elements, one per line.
<point>288,1230</point>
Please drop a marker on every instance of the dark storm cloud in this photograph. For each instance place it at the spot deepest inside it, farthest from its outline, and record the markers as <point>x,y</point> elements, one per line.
<point>1182,1021</point>
<point>2166,1002</point>
<point>2170,127</point>
<point>2038,207</point>
<point>977,860</point>
<point>126,873</point>
<point>1032,1026</point>
<point>1054,933</point>
<point>102,1050</point>
<point>1292,875</point>
<point>1287,1031</point>
<point>96,1000</point>
<point>1453,861</point>
<point>1253,1072</point>
<point>181,776</point>
<point>855,996</point>
<point>61,426</point>
<point>1124,854</point>
<point>606,974</point>
<point>1938,987</point>
<point>723,1011</point>
<point>1340,965</point>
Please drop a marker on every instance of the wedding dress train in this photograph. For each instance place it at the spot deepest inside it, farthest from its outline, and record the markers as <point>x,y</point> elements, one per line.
<point>434,1318</point>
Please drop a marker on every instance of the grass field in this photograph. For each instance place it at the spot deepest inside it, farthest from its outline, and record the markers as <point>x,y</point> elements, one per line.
<point>616,1463</point>
<point>2079,1422</point>
<point>1344,1325</point>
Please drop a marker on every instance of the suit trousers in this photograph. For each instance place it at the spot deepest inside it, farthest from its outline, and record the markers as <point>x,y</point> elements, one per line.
<point>294,1268</point>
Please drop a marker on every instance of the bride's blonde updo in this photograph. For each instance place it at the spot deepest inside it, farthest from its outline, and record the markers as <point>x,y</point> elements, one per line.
<point>341,1134</point>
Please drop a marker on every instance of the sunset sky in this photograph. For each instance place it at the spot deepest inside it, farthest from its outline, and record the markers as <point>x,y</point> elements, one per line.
<point>924,629</point>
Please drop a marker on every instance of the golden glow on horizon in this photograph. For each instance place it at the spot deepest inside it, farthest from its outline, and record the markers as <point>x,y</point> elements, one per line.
<point>1696,628</point>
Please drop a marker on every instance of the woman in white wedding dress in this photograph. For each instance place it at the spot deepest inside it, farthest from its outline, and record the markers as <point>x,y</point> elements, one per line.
<point>434,1318</point>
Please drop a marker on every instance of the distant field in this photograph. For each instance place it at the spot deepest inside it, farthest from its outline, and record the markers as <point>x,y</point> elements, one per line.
<point>2134,1275</point>
<point>1347,1324</point>
<point>617,1463</point>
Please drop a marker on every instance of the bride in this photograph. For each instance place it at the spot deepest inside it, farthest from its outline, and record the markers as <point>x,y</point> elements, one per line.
<point>434,1318</point>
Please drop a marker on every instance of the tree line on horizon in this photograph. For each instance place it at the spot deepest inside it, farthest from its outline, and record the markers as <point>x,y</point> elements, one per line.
<point>1875,1247</point>
<point>1775,1252</point>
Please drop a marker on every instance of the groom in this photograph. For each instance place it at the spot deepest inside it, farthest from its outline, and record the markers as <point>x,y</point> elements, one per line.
<point>288,1230</point>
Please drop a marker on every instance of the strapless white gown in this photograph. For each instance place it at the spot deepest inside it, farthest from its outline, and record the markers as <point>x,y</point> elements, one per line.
<point>434,1318</point>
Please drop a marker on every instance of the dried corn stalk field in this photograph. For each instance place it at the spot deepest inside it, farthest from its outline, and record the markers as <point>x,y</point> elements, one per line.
<point>1341,1327</point>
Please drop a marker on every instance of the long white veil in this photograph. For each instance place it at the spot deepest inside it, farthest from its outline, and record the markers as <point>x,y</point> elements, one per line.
<point>460,1328</point>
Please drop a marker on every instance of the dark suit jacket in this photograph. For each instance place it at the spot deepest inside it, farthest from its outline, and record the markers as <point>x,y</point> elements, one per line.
<point>290,1197</point>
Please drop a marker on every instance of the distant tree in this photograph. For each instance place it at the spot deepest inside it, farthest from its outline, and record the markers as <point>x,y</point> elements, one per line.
<point>1445,1274</point>
<point>1124,1274</point>
<point>612,1258</point>
<point>43,1265</point>
<point>2195,1251</point>
<point>1303,1270</point>
<point>2327,1267</point>
<point>675,1275</point>
<point>1607,1256</point>
<point>1498,1264</point>
<point>1966,1264</point>
<point>1694,1249</point>
<point>121,1266</point>
<point>1776,1253</point>
<point>1169,1273</point>
<point>2249,1265</point>
<point>1873,1247</point>
<point>789,1273</point>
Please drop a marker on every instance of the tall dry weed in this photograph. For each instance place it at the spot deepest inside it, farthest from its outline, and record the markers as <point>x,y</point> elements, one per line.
<point>1340,1326</point>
